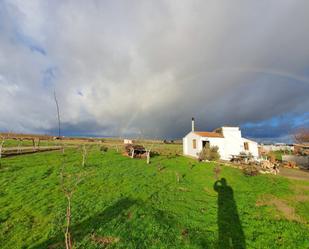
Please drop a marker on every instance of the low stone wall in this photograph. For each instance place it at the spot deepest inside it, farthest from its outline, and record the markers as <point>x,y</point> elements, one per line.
<point>299,160</point>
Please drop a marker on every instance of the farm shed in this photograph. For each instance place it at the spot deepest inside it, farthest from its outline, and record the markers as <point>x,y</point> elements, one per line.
<point>227,139</point>
<point>135,151</point>
<point>127,141</point>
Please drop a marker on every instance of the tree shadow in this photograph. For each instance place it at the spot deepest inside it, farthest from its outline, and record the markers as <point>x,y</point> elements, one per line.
<point>120,211</point>
<point>231,234</point>
<point>89,225</point>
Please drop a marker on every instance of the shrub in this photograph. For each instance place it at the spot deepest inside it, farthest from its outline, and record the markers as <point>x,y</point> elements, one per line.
<point>251,170</point>
<point>103,149</point>
<point>154,153</point>
<point>217,171</point>
<point>271,156</point>
<point>209,153</point>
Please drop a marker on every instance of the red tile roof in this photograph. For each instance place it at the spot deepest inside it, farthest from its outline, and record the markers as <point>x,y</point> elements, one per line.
<point>208,134</point>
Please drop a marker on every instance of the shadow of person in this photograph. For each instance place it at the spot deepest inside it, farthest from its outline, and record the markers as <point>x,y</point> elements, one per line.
<point>231,234</point>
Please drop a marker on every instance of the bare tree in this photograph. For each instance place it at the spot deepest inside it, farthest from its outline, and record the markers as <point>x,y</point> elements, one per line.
<point>3,138</point>
<point>148,151</point>
<point>68,194</point>
<point>68,191</point>
<point>302,135</point>
<point>69,183</point>
<point>1,145</point>
<point>116,145</point>
<point>84,154</point>
<point>120,138</point>
<point>19,145</point>
<point>148,146</point>
<point>58,113</point>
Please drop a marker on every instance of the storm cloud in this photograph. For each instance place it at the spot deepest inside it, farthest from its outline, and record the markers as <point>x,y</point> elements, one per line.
<point>123,68</point>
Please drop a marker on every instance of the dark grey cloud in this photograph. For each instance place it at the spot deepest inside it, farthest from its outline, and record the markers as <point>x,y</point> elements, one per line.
<point>122,68</point>
<point>280,128</point>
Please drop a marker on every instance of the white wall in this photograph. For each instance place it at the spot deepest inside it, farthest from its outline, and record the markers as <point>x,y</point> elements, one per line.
<point>184,146</point>
<point>216,141</point>
<point>233,142</point>
<point>188,145</point>
<point>127,141</point>
<point>213,141</point>
<point>253,147</point>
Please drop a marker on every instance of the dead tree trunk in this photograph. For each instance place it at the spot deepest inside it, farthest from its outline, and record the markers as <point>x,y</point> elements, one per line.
<point>84,155</point>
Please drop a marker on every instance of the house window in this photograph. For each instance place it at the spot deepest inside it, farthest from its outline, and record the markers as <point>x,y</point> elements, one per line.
<point>246,145</point>
<point>194,143</point>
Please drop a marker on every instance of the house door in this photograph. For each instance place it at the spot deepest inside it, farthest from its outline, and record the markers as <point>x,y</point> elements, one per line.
<point>206,144</point>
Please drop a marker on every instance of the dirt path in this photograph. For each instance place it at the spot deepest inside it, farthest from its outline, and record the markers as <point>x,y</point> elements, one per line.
<point>295,174</point>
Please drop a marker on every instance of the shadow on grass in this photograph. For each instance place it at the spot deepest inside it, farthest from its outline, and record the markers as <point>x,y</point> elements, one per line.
<point>89,225</point>
<point>136,232</point>
<point>231,234</point>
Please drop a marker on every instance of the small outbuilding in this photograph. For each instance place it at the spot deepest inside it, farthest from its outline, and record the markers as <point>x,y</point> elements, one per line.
<point>228,140</point>
<point>127,141</point>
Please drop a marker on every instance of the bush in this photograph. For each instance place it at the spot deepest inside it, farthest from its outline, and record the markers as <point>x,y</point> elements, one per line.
<point>103,149</point>
<point>209,153</point>
<point>271,156</point>
<point>251,170</point>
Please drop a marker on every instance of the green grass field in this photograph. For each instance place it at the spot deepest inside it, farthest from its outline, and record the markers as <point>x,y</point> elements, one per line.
<point>140,206</point>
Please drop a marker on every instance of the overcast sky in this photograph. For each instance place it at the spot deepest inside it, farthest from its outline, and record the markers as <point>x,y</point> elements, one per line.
<point>128,67</point>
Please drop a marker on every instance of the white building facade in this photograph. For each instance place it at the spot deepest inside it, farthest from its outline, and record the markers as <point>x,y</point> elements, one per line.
<point>227,139</point>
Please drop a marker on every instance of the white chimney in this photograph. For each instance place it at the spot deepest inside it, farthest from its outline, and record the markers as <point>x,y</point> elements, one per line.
<point>192,124</point>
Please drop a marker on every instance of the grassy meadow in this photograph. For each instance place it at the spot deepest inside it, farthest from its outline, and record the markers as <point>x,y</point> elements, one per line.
<point>119,202</point>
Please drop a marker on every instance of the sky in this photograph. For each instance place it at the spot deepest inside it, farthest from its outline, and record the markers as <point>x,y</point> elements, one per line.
<point>144,68</point>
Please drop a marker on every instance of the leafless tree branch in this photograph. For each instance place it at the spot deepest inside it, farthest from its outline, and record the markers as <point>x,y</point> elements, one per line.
<point>1,145</point>
<point>67,190</point>
<point>148,147</point>
<point>84,154</point>
<point>301,135</point>
<point>58,114</point>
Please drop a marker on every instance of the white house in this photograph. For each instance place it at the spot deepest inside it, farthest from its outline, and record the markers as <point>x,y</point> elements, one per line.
<point>228,139</point>
<point>127,141</point>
